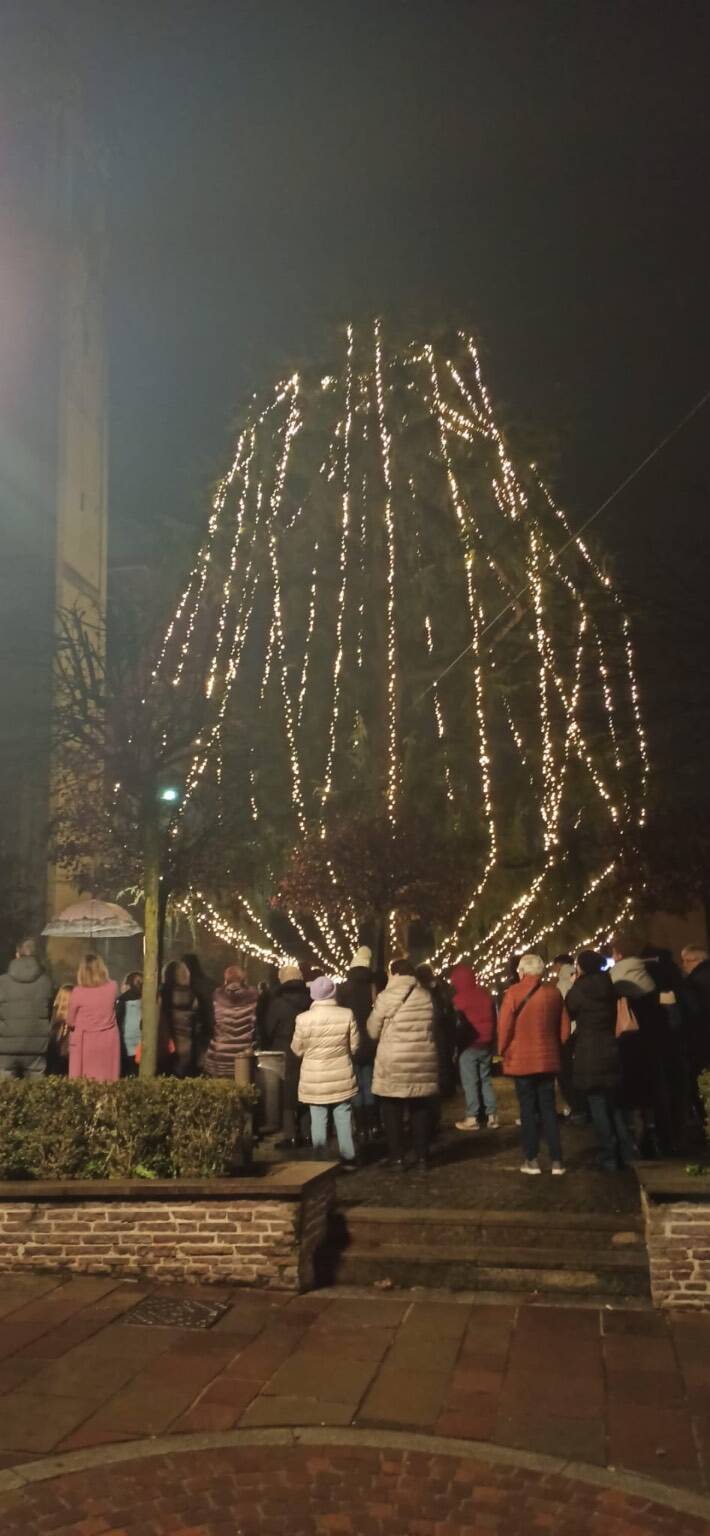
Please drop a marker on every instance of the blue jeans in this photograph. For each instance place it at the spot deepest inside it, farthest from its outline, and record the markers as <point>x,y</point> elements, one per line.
<point>364,1098</point>
<point>536,1097</point>
<point>475,1065</point>
<point>615,1141</point>
<point>343,1117</point>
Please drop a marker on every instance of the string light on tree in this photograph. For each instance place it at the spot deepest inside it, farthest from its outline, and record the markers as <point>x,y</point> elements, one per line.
<point>375,531</point>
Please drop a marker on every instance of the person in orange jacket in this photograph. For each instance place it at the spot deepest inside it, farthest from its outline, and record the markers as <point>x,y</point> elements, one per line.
<point>532,1025</point>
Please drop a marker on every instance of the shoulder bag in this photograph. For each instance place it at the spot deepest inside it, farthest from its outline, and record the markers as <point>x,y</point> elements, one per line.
<point>626,1021</point>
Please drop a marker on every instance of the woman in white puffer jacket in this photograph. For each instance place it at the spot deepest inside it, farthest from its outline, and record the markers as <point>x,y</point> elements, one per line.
<point>406,1064</point>
<point>327,1038</point>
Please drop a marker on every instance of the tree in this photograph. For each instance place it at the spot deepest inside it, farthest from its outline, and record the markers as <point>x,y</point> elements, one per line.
<point>401,617</point>
<point>366,869</point>
<point>124,743</point>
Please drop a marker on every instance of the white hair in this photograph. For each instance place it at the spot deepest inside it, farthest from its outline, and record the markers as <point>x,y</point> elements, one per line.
<point>695,953</point>
<point>531,965</point>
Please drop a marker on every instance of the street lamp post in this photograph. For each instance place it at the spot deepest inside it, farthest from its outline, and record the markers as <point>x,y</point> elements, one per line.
<point>156,805</point>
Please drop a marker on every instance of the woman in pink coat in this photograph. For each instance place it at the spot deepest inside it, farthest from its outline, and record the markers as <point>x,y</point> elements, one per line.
<point>94,1040</point>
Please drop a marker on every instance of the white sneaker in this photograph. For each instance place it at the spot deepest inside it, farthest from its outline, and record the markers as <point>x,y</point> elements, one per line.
<point>493,1123</point>
<point>558,1169</point>
<point>469,1124</point>
<point>533,1167</point>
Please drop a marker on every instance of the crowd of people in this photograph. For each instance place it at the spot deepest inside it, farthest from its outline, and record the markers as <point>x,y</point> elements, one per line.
<point>621,1039</point>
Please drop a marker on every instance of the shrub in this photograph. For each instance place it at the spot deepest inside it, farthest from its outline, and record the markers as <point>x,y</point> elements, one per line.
<point>56,1128</point>
<point>704,1091</point>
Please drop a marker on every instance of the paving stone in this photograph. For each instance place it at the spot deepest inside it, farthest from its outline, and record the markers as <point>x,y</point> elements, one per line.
<point>97,1377</point>
<point>229,1391</point>
<point>310,1376</point>
<point>145,1406</point>
<point>65,1300</point>
<point>182,1366</point>
<point>445,1319</point>
<point>544,1356</point>
<point>88,1435</point>
<point>652,1439</point>
<point>374,1312</point>
<point>206,1417</point>
<point>468,1415</point>
<point>623,1352</point>
<point>646,1387</point>
<point>469,1378</point>
<point>404,1397</point>
<point>15,1371</point>
<point>15,1337</point>
<point>640,1324</point>
<point>414,1351</point>
<point>360,1344</point>
<point>19,1290</point>
<point>580,1396</point>
<point>36,1423</point>
<point>51,1346</point>
<point>259,1359</point>
<point>295,1410</point>
<point>580,1439</point>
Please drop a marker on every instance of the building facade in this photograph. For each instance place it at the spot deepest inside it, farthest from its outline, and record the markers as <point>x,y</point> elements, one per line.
<point>53,459</point>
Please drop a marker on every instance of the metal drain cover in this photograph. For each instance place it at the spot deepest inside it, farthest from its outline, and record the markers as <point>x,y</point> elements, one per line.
<point>175,1312</point>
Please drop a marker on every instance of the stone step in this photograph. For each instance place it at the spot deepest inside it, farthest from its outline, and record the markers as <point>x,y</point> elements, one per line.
<point>370,1226</point>
<point>519,1270</point>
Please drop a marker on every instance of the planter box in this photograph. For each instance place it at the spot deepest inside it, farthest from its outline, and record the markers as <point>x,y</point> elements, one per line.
<point>261,1230</point>
<point>676,1208</point>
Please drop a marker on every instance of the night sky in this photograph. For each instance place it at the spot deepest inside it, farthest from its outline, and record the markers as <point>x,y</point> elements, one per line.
<point>539,170</point>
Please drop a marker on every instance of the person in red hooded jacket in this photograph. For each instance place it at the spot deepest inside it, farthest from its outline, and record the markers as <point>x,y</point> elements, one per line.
<point>476,1013</point>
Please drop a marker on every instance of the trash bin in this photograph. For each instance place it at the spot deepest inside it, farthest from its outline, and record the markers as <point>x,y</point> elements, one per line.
<point>244,1069</point>
<point>243,1077</point>
<point>269,1079</point>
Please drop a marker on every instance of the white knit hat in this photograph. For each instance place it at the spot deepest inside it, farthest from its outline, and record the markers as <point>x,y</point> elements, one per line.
<point>290,973</point>
<point>362,956</point>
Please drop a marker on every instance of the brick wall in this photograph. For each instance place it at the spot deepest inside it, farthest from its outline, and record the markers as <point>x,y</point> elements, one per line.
<point>678,1241</point>
<point>314,1209</point>
<point>267,1243</point>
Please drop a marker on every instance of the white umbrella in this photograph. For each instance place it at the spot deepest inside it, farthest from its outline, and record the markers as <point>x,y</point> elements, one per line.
<point>91,919</point>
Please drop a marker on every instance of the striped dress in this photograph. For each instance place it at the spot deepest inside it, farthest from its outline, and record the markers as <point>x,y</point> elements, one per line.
<point>234,1027</point>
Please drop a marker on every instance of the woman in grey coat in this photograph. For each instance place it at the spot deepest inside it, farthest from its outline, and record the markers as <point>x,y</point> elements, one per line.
<point>406,1064</point>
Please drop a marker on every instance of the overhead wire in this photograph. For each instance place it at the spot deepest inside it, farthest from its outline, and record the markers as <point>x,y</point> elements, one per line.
<point>573,538</point>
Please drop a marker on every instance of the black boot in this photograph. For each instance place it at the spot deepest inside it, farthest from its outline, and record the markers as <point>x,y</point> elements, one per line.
<point>372,1123</point>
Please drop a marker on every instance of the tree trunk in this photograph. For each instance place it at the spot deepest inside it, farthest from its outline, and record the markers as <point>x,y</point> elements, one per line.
<point>706,914</point>
<point>151,936</point>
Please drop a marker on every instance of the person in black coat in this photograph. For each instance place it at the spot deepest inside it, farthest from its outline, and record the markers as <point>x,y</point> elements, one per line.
<point>277,1027</point>
<point>446,1028</point>
<point>591,1003</point>
<point>695,1003</point>
<point>203,989</point>
<point>668,979</point>
<point>358,993</point>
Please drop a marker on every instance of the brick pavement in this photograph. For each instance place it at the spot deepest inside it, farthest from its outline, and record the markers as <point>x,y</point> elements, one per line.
<point>326,1490</point>
<point>626,1389</point>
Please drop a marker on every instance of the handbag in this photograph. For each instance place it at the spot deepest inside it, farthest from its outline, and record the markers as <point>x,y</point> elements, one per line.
<point>626,1021</point>
<point>58,1047</point>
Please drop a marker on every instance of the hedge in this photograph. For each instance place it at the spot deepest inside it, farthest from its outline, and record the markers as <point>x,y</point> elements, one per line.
<point>704,1091</point>
<point>56,1128</point>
